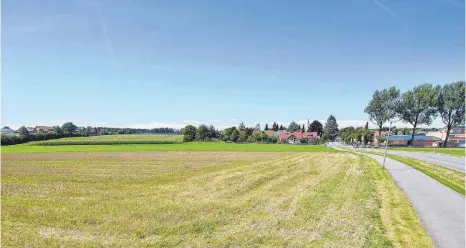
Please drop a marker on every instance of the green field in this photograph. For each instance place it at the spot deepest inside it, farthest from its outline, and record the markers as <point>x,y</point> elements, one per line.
<point>191,146</point>
<point>449,151</point>
<point>203,199</point>
<point>114,140</point>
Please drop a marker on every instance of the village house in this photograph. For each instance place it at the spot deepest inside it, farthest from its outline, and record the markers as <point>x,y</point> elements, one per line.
<point>295,137</point>
<point>42,129</point>
<point>457,137</point>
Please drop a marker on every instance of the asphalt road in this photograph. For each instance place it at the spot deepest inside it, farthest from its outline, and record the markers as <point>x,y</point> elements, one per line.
<point>449,161</point>
<point>440,209</point>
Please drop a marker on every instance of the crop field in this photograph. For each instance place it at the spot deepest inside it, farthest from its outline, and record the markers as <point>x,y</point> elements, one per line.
<point>203,199</point>
<point>449,151</point>
<point>114,140</point>
<point>189,146</point>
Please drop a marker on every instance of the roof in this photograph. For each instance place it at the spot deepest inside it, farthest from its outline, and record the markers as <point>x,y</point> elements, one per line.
<point>44,128</point>
<point>269,132</point>
<point>416,137</point>
<point>297,135</point>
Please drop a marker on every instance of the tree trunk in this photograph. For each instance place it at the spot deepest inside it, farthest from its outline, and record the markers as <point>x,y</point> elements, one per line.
<point>380,130</point>
<point>448,134</point>
<point>412,135</point>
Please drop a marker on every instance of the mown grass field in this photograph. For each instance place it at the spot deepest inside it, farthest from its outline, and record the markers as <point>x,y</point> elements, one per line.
<point>449,151</point>
<point>190,146</point>
<point>113,140</point>
<point>203,199</point>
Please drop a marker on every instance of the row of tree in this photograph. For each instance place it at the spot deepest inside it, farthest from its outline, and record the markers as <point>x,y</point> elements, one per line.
<point>315,126</point>
<point>419,106</point>
<point>69,129</point>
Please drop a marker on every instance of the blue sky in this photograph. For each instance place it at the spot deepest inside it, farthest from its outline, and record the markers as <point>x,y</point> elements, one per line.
<point>171,63</point>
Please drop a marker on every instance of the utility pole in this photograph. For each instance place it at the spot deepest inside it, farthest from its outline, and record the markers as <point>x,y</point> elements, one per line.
<point>386,144</point>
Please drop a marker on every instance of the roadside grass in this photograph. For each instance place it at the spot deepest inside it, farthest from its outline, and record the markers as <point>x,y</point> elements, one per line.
<point>451,178</point>
<point>460,152</point>
<point>113,140</point>
<point>189,146</point>
<point>203,199</point>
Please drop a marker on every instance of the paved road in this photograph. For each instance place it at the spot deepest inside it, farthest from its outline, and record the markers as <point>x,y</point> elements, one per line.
<point>452,162</point>
<point>440,209</point>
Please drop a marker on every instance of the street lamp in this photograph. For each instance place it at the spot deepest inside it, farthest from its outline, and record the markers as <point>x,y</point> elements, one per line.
<point>386,144</point>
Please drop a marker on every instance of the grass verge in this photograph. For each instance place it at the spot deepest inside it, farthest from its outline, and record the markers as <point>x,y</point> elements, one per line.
<point>451,178</point>
<point>203,199</point>
<point>460,152</point>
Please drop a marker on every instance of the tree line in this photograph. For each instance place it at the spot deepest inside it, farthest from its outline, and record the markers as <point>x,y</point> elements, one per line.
<point>419,106</point>
<point>69,129</point>
<point>244,134</point>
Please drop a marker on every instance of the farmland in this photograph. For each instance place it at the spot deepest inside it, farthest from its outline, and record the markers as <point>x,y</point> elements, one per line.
<point>114,140</point>
<point>190,146</point>
<point>201,199</point>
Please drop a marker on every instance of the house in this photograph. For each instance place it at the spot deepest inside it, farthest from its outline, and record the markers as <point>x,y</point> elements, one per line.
<point>42,129</point>
<point>273,133</point>
<point>295,137</point>
<point>420,139</point>
<point>457,137</point>
<point>7,130</point>
<point>30,129</point>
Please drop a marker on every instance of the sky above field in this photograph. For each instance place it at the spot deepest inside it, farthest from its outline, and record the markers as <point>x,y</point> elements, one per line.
<point>172,63</point>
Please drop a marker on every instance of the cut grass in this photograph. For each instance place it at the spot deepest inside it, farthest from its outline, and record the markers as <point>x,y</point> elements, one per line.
<point>203,199</point>
<point>190,146</point>
<point>460,152</point>
<point>451,178</point>
<point>113,140</point>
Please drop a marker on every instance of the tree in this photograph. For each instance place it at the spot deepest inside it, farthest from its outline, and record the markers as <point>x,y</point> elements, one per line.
<point>69,128</point>
<point>316,126</point>
<point>281,127</point>
<point>366,127</point>
<point>382,106</point>
<point>234,135</point>
<point>331,128</point>
<point>189,133</point>
<point>212,134</point>
<point>58,130</point>
<point>243,136</point>
<point>405,131</point>
<point>303,129</point>
<point>257,135</point>
<point>275,126</point>
<point>418,106</point>
<point>450,106</point>
<point>266,127</point>
<point>241,127</point>
<point>202,133</point>
<point>226,133</point>
<point>293,127</point>
<point>258,126</point>
<point>23,131</point>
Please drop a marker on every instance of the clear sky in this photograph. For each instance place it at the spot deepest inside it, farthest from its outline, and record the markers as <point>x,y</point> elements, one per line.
<point>171,63</point>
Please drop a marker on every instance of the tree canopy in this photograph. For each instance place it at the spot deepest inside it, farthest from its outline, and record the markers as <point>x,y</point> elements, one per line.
<point>331,128</point>
<point>382,106</point>
<point>451,105</point>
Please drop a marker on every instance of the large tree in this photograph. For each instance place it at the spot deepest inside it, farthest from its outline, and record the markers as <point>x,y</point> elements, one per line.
<point>281,127</point>
<point>258,126</point>
<point>275,126</point>
<point>293,127</point>
<point>418,106</point>
<point>241,126</point>
<point>382,106</point>
<point>189,133</point>
<point>450,106</point>
<point>234,135</point>
<point>316,126</point>
<point>213,134</point>
<point>331,128</point>
<point>69,128</point>
<point>23,131</point>
<point>266,127</point>
<point>202,133</point>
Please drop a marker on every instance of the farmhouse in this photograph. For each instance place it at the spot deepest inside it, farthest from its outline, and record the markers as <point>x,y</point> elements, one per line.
<point>457,137</point>
<point>7,130</point>
<point>42,129</point>
<point>294,137</point>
